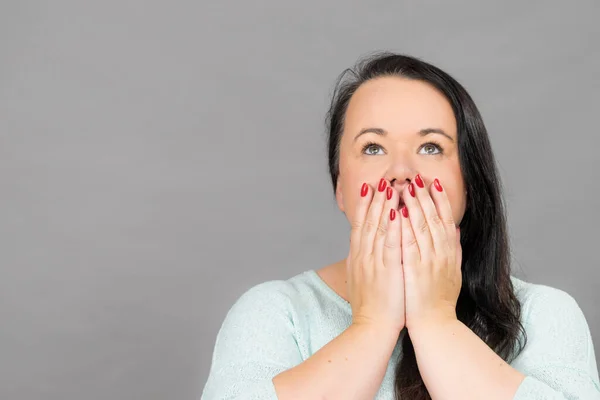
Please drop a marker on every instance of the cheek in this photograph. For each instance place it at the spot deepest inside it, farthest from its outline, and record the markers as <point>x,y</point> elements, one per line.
<point>453,183</point>
<point>351,193</point>
<point>352,180</point>
<point>457,202</point>
<point>456,196</point>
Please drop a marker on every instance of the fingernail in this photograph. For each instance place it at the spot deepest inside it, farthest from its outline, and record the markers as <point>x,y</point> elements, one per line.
<point>392,214</point>
<point>405,212</point>
<point>389,193</point>
<point>382,184</point>
<point>437,185</point>
<point>419,181</point>
<point>411,189</point>
<point>364,190</point>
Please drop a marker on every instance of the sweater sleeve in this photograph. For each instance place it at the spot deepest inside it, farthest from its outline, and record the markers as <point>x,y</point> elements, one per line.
<point>255,343</point>
<point>558,360</point>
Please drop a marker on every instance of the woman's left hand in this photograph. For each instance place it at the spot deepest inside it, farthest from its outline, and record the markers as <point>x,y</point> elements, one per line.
<point>431,254</point>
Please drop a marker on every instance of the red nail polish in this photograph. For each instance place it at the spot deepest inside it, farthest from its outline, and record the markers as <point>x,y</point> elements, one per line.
<point>419,181</point>
<point>405,212</point>
<point>389,193</point>
<point>437,185</point>
<point>392,214</point>
<point>382,184</point>
<point>364,190</point>
<point>411,189</point>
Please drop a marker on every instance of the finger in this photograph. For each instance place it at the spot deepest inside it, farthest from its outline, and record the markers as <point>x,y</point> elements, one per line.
<point>444,210</point>
<point>410,247</point>
<point>392,247</point>
<point>371,224</point>
<point>384,243</point>
<point>418,222</point>
<point>358,220</point>
<point>434,231</point>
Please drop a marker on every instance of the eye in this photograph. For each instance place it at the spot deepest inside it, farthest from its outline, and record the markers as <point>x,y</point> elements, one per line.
<point>370,148</point>
<point>431,148</point>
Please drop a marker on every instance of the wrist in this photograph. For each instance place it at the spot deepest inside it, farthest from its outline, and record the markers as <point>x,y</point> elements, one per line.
<point>378,329</point>
<point>432,318</point>
<point>427,325</point>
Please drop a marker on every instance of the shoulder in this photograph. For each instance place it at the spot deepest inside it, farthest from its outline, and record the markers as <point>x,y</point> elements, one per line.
<point>558,348</point>
<point>258,339</point>
<point>274,294</point>
<point>262,300</point>
<point>271,315</point>
<point>265,295</point>
<point>539,300</point>
<point>553,318</point>
<point>269,302</point>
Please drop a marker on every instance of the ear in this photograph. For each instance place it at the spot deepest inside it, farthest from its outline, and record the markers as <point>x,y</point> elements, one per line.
<point>339,196</point>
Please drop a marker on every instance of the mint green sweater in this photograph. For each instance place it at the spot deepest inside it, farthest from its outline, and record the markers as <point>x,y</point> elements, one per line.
<point>276,325</point>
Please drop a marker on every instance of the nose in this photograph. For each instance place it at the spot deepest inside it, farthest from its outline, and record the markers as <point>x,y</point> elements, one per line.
<point>400,172</point>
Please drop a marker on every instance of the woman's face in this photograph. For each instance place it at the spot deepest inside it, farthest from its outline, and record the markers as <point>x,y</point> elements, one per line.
<point>412,119</point>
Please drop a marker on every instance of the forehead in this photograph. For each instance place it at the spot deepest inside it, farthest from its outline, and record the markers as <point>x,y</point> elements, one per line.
<point>399,105</point>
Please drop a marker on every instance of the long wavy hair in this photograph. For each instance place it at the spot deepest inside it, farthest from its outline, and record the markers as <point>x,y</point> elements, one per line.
<point>487,303</point>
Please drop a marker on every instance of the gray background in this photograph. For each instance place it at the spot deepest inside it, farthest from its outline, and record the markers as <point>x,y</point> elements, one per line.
<point>157,159</point>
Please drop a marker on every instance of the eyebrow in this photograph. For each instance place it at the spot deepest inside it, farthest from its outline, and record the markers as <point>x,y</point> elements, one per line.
<point>422,132</point>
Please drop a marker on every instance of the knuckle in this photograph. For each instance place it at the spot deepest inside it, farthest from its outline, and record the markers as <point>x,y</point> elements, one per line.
<point>449,221</point>
<point>435,219</point>
<point>423,227</point>
<point>357,257</point>
<point>364,259</point>
<point>369,226</point>
<point>356,226</point>
<point>411,242</point>
<point>391,245</point>
<point>381,230</point>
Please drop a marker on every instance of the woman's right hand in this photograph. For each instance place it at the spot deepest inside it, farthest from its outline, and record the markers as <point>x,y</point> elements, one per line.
<point>375,278</point>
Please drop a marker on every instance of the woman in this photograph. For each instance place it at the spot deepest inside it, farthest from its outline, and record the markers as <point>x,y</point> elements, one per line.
<point>425,305</point>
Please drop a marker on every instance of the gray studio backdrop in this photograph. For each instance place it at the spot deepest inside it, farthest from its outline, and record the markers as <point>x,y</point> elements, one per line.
<point>159,158</point>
